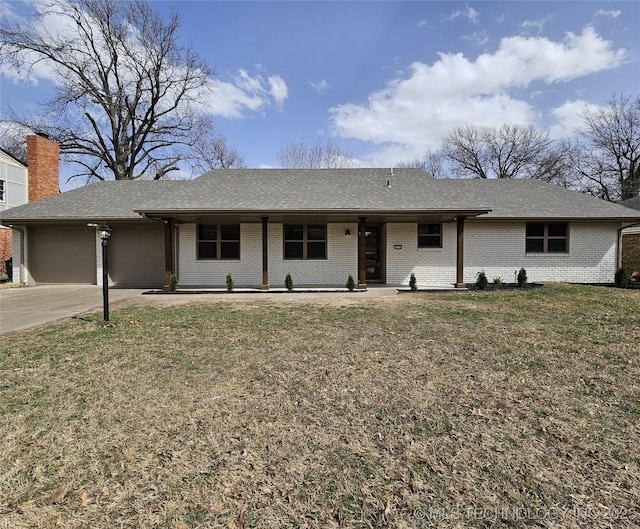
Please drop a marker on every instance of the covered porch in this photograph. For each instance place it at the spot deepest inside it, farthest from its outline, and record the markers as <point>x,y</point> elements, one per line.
<point>319,249</point>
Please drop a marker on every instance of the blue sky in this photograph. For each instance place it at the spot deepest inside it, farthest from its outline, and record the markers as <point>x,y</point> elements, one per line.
<point>387,80</point>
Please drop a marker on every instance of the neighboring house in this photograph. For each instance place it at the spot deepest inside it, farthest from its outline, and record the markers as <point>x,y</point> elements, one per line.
<point>631,240</point>
<point>20,184</point>
<point>378,225</point>
<point>13,192</point>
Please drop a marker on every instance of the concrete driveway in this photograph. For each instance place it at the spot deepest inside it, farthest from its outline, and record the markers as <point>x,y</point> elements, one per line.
<point>23,308</point>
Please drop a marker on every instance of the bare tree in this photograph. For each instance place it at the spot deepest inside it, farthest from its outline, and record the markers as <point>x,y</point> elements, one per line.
<point>510,151</point>
<point>432,162</point>
<point>13,140</point>
<point>213,152</point>
<point>557,166</point>
<point>609,154</point>
<point>321,155</point>
<point>465,149</point>
<point>128,100</point>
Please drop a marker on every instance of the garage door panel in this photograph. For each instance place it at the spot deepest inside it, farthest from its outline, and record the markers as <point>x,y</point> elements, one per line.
<point>63,255</point>
<point>136,256</point>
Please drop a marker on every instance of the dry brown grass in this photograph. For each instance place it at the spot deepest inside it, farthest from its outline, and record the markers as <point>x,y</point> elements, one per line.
<point>5,286</point>
<point>504,409</point>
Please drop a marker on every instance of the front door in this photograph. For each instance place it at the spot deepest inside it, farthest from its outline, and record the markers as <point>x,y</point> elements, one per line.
<point>372,252</point>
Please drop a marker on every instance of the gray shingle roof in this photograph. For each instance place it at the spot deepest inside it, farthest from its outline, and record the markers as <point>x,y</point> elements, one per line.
<point>353,190</point>
<point>531,199</point>
<point>633,203</point>
<point>99,201</point>
<point>310,190</point>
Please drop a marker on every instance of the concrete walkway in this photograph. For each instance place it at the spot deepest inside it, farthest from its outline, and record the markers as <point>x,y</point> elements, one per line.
<point>26,307</point>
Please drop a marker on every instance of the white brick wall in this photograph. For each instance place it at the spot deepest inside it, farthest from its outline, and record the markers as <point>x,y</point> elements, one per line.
<point>342,259</point>
<point>432,266</point>
<point>496,248</point>
<point>246,272</point>
<point>499,250</point>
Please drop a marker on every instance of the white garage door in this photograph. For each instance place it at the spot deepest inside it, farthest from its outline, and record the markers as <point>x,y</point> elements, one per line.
<point>136,256</point>
<point>62,254</point>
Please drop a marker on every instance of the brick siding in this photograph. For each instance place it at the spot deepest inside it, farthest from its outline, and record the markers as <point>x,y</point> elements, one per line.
<point>6,245</point>
<point>499,250</point>
<point>43,165</point>
<point>631,251</point>
<point>342,259</point>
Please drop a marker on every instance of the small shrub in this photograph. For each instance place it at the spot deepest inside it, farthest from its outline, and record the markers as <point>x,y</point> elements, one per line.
<point>351,284</point>
<point>497,280</point>
<point>288,282</point>
<point>230,283</point>
<point>522,278</point>
<point>481,280</point>
<point>413,283</point>
<point>622,277</point>
<point>173,282</point>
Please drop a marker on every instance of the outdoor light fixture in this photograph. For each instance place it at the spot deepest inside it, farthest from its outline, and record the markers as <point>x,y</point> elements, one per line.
<point>104,232</point>
<point>347,233</point>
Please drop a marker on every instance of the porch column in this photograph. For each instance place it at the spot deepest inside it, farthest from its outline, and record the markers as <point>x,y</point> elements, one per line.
<point>265,255</point>
<point>460,254</point>
<point>362,241</point>
<point>168,252</point>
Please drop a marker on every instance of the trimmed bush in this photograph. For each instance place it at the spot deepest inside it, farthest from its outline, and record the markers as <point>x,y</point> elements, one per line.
<point>481,280</point>
<point>497,280</point>
<point>288,282</point>
<point>413,283</point>
<point>522,278</point>
<point>351,284</point>
<point>230,283</point>
<point>622,277</point>
<point>173,282</point>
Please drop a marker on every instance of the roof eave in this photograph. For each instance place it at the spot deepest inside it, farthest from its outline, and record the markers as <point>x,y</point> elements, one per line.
<point>547,218</point>
<point>319,211</point>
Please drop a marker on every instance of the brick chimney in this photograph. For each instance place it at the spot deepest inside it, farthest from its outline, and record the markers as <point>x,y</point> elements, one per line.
<point>44,169</point>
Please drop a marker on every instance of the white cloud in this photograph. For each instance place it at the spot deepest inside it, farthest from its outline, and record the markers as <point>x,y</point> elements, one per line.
<point>536,24</point>
<point>413,114</point>
<point>469,13</point>
<point>246,93</point>
<point>611,13</point>
<point>321,86</point>
<point>477,38</point>
<point>279,90</point>
<point>568,118</point>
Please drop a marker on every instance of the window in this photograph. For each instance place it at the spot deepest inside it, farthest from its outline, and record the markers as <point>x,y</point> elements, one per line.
<point>429,235</point>
<point>2,198</point>
<point>218,241</point>
<point>546,238</point>
<point>305,241</point>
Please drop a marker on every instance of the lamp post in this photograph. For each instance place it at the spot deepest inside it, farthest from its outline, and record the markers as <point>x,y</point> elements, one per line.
<point>104,232</point>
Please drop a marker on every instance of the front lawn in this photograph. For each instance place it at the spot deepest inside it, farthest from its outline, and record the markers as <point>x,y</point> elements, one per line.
<point>499,409</point>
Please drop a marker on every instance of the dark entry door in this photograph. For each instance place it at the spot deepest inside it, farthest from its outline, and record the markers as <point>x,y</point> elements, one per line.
<point>372,252</point>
